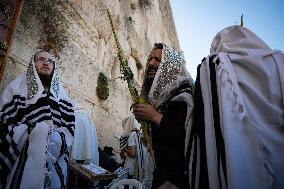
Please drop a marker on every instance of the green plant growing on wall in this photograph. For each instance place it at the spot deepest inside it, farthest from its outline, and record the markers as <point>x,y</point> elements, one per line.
<point>139,65</point>
<point>50,16</point>
<point>146,4</point>
<point>102,86</point>
<point>128,76</point>
<point>133,7</point>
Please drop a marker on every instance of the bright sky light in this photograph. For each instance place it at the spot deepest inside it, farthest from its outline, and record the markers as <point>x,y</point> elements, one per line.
<point>198,21</point>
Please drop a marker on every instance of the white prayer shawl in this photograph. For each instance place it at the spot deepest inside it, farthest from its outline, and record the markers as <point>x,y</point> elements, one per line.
<point>36,133</point>
<point>85,144</point>
<point>248,152</point>
<point>144,164</point>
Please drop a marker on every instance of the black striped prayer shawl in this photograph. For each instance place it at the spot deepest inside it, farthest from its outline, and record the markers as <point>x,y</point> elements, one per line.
<point>144,163</point>
<point>237,136</point>
<point>37,132</point>
<point>15,153</point>
<point>196,157</point>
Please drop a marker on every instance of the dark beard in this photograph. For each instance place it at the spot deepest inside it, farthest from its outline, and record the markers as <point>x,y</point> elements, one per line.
<point>152,68</point>
<point>147,84</point>
<point>45,80</point>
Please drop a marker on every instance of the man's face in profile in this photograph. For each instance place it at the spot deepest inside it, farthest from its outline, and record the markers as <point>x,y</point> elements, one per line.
<point>44,64</point>
<point>153,63</point>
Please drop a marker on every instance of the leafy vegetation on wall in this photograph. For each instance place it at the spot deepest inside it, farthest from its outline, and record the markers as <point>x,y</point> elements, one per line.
<point>54,24</point>
<point>102,86</point>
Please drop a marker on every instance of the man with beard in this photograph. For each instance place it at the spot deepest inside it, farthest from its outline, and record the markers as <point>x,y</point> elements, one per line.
<point>37,126</point>
<point>167,87</point>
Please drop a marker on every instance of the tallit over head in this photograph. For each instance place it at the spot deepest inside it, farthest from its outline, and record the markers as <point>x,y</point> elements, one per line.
<point>129,124</point>
<point>254,64</point>
<point>34,85</point>
<point>243,102</point>
<point>171,68</point>
<point>237,39</point>
<point>43,127</point>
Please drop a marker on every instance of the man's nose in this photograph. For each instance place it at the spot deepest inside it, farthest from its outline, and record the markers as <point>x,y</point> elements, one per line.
<point>45,62</point>
<point>152,62</point>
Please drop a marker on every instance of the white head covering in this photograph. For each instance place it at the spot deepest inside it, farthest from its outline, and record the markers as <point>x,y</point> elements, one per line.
<point>171,68</point>
<point>250,88</point>
<point>237,39</point>
<point>34,84</point>
<point>253,63</point>
<point>128,124</point>
<point>29,85</point>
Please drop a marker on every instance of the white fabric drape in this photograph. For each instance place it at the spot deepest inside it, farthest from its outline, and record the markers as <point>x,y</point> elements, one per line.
<point>249,84</point>
<point>85,145</point>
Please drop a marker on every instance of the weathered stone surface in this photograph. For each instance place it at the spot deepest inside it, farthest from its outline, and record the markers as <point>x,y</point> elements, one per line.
<point>91,49</point>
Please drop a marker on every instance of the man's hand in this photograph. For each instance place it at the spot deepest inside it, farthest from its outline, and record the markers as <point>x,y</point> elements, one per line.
<point>128,151</point>
<point>147,112</point>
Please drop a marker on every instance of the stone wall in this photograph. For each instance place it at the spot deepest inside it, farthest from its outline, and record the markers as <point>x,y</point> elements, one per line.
<point>91,49</point>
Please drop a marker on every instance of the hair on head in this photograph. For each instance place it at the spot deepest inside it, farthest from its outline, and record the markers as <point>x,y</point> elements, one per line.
<point>158,46</point>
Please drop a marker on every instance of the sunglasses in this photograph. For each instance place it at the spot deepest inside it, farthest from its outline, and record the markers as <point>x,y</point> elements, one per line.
<point>42,59</point>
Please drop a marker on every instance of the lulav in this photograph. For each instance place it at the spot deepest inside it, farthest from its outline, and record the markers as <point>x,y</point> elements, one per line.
<point>128,76</point>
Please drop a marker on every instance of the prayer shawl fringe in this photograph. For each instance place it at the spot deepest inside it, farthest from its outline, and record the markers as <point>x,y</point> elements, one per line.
<point>236,140</point>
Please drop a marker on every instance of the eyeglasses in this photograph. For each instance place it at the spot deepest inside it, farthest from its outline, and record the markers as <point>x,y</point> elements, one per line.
<point>42,59</point>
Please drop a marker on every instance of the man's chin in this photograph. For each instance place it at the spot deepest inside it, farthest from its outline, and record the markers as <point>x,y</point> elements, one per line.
<point>44,75</point>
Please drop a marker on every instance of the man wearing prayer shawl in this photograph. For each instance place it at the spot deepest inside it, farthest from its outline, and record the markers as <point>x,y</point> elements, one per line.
<point>37,125</point>
<point>168,88</point>
<point>137,158</point>
<point>239,115</point>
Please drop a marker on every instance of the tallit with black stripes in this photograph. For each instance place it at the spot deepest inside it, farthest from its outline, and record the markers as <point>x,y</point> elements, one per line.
<point>238,140</point>
<point>36,134</point>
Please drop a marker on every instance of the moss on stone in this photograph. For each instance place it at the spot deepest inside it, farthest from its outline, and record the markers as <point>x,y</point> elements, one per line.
<point>139,65</point>
<point>102,86</point>
<point>54,24</point>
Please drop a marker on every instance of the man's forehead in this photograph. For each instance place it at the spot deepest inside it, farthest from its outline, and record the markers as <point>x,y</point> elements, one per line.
<point>45,54</point>
<point>156,52</point>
